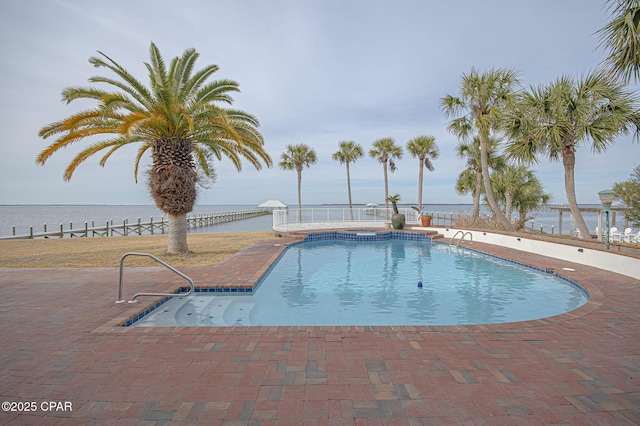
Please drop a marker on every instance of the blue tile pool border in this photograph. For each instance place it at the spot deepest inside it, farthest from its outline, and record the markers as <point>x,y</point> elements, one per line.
<point>366,235</point>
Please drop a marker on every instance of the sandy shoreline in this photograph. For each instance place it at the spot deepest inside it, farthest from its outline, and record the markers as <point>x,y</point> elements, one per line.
<point>104,252</point>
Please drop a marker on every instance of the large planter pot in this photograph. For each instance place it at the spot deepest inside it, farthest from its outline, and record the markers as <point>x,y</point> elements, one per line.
<point>397,221</point>
<point>426,221</point>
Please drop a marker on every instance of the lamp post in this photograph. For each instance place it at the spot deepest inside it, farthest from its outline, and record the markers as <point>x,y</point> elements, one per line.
<point>606,198</point>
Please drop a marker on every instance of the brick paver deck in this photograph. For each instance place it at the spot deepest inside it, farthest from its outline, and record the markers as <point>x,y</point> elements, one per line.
<point>60,342</point>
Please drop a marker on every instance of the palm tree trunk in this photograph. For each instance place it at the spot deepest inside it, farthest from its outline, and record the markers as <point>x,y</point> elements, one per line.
<point>172,182</point>
<point>349,191</point>
<point>495,208</point>
<point>508,205</point>
<point>386,191</point>
<point>521,220</point>
<point>420,178</point>
<point>569,161</point>
<point>476,198</point>
<point>299,195</point>
<point>178,234</point>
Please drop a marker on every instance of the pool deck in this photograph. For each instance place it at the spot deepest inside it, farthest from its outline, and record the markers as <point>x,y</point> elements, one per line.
<point>60,342</point>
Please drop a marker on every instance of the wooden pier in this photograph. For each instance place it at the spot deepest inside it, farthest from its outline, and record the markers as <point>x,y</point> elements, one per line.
<point>564,208</point>
<point>109,229</point>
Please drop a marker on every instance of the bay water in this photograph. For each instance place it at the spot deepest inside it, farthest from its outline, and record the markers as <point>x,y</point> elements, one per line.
<point>22,217</point>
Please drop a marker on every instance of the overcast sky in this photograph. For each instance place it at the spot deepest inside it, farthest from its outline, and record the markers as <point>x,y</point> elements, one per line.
<point>314,72</point>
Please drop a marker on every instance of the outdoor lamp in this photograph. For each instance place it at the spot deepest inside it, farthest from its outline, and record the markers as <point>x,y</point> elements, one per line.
<point>606,198</point>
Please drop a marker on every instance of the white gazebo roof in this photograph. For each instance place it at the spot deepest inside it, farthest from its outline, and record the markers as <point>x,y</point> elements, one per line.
<point>273,204</point>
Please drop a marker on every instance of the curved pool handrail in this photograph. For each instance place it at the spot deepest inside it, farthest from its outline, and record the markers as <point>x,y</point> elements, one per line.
<point>133,299</point>
<point>454,236</point>
<point>464,234</point>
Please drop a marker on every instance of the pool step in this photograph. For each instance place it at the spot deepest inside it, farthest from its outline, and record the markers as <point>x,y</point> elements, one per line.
<point>238,312</point>
<point>214,312</point>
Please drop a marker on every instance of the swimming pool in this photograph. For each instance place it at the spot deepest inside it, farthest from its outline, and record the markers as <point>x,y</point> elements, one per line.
<point>381,279</point>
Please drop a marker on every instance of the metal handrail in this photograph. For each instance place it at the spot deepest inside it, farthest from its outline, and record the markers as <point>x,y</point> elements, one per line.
<point>454,236</point>
<point>133,299</point>
<point>464,234</point>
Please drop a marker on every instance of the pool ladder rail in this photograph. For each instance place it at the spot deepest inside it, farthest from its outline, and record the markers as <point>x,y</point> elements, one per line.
<point>133,299</point>
<point>464,234</point>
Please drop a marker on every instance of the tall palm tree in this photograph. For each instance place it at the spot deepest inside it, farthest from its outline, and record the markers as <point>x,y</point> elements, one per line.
<point>423,148</point>
<point>553,120</point>
<point>386,151</point>
<point>621,38</point>
<point>349,152</point>
<point>297,157</point>
<point>470,179</point>
<point>482,98</point>
<point>177,118</point>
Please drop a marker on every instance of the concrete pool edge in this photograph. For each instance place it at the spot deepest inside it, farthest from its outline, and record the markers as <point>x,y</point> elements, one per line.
<point>595,300</point>
<point>583,254</point>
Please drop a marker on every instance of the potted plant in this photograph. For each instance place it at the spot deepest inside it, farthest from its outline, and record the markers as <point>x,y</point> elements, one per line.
<point>397,219</point>
<point>425,217</point>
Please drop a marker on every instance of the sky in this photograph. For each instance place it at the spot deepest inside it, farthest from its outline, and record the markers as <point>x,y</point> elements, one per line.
<point>315,72</point>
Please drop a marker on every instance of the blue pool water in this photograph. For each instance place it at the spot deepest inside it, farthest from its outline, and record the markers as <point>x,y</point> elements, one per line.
<point>342,282</point>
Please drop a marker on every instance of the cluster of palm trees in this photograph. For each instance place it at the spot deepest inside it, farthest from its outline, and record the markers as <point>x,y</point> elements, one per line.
<point>550,120</point>
<point>385,150</point>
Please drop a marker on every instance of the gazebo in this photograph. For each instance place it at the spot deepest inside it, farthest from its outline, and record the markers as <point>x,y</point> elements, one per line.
<point>271,205</point>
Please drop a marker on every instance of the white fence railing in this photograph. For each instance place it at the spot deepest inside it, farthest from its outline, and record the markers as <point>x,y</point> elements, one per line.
<point>284,220</point>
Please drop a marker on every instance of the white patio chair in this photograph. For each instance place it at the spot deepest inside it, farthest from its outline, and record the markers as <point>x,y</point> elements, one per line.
<point>631,238</point>
<point>614,235</point>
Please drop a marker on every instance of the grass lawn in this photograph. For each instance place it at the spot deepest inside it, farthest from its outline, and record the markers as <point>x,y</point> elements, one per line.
<point>102,252</point>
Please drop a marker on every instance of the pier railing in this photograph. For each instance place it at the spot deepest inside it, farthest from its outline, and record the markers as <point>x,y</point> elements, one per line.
<point>151,227</point>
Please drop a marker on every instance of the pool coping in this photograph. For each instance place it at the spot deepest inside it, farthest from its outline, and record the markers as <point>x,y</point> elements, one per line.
<point>595,296</point>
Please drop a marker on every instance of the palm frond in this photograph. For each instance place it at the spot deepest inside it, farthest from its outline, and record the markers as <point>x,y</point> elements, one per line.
<point>620,37</point>
<point>141,151</point>
<point>133,92</point>
<point>88,152</point>
<point>202,160</point>
<point>116,144</point>
<point>70,94</point>
<point>134,85</point>
<point>195,82</point>
<point>112,102</point>
<point>216,91</point>
<point>187,62</point>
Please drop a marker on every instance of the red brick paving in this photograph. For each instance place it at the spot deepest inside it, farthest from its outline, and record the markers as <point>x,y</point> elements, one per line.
<point>60,341</point>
